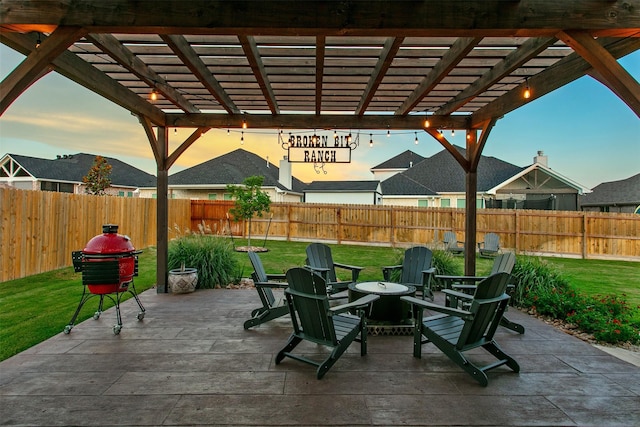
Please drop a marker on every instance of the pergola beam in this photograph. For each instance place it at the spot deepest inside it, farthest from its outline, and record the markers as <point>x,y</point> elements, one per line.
<point>389,52</point>
<point>401,18</point>
<point>563,72</point>
<point>36,64</point>
<point>320,52</point>
<point>185,52</point>
<point>619,80</point>
<point>253,56</point>
<point>311,121</point>
<point>457,53</point>
<point>511,62</point>
<point>124,57</point>
<point>77,70</point>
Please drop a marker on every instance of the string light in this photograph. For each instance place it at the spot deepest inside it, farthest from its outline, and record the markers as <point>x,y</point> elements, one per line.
<point>242,138</point>
<point>416,141</point>
<point>453,132</point>
<point>244,124</point>
<point>335,134</point>
<point>38,41</point>
<point>388,133</point>
<point>370,140</point>
<point>426,121</point>
<point>349,138</point>
<point>175,131</point>
<point>154,94</point>
<point>228,132</point>
<point>527,91</point>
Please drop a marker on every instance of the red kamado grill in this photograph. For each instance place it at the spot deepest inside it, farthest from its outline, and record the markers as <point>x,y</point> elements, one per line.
<point>108,264</point>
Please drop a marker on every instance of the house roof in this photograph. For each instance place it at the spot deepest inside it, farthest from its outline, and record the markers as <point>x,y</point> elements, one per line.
<point>442,174</point>
<point>233,168</point>
<point>581,188</point>
<point>72,167</point>
<point>342,186</point>
<point>402,185</point>
<point>622,192</point>
<point>401,161</point>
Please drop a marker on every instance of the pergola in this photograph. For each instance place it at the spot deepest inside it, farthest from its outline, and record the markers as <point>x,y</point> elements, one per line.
<point>390,65</point>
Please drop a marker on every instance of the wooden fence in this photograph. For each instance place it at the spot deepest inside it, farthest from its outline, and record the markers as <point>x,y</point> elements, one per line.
<point>555,233</point>
<point>38,230</point>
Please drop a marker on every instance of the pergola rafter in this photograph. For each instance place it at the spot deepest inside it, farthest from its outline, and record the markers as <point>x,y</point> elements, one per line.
<point>321,64</point>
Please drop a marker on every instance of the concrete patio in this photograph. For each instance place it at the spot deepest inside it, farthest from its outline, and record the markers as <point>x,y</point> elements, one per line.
<point>190,362</point>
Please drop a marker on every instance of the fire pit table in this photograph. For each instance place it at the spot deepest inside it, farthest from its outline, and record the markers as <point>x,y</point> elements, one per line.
<point>388,309</point>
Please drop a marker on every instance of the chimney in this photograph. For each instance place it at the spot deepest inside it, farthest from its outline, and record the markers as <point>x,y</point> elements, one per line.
<point>284,173</point>
<point>541,159</point>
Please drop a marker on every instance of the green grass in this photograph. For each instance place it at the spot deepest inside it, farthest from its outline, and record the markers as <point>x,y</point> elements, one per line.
<point>35,308</point>
<point>38,307</point>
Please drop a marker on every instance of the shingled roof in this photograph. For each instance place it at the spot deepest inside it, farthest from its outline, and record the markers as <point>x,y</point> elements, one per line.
<point>233,168</point>
<point>401,161</point>
<point>342,186</point>
<point>442,174</point>
<point>622,192</point>
<point>72,167</point>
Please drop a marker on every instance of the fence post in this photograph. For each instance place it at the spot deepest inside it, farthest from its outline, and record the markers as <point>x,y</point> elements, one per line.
<point>584,235</point>
<point>517,230</point>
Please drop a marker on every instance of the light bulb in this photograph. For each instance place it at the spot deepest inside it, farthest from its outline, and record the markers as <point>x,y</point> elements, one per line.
<point>388,134</point>
<point>370,140</point>
<point>453,132</point>
<point>242,139</point>
<point>426,123</point>
<point>153,95</point>
<point>244,124</point>
<point>527,91</point>
<point>416,141</point>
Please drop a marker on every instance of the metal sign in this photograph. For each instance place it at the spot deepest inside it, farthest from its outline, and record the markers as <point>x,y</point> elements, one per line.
<point>319,149</point>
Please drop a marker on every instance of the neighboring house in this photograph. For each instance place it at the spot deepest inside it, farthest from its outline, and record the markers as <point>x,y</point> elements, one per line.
<point>395,165</point>
<point>64,174</point>
<point>614,196</point>
<point>347,192</point>
<point>439,181</point>
<point>209,180</point>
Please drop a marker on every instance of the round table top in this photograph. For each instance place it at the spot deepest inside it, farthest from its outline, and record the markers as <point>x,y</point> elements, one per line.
<point>382,288</point>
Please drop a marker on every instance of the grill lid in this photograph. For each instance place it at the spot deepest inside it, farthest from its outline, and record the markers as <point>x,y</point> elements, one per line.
<point>109,242</point>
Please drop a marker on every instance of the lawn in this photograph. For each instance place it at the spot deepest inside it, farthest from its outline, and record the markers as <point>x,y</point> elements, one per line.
<point>38,307</point>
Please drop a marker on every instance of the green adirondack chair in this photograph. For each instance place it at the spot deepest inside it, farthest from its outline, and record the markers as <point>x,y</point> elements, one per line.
<point>461,288</point>
<point>491,245</point>
<point>314,320</point>
<point>416,270</point>
<point>456,331</point>
<point>320,260</point>
<point>452,244</point>
<point>272,307</point>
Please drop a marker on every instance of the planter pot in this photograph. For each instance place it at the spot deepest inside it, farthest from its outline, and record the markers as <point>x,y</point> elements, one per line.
<point>182,281</point>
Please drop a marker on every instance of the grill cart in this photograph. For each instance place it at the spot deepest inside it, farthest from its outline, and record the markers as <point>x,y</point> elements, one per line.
<point>108,264</point>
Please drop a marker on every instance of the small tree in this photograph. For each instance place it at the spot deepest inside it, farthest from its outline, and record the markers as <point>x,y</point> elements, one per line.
<point>97,179</point>
<point>249,200</point>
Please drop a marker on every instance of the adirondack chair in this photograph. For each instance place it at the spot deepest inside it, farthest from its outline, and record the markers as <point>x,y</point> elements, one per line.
<point>272,307</point>
<point>314,320</point>
<point>319,259</point>
<point>416,270</point>
<point>456,331</point>
<point>491,245</point>
<point>452,244</point>
<point>460,289</point>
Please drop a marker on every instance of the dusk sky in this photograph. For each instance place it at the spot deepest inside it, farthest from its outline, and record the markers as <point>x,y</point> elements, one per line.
<point>589,135</point>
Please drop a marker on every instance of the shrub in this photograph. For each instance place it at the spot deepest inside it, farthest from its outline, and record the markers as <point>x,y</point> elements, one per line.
<point>542,289</point>
<point>213,256</point>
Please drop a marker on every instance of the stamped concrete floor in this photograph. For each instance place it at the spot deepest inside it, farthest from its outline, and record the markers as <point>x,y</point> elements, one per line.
<point>190,362</point>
